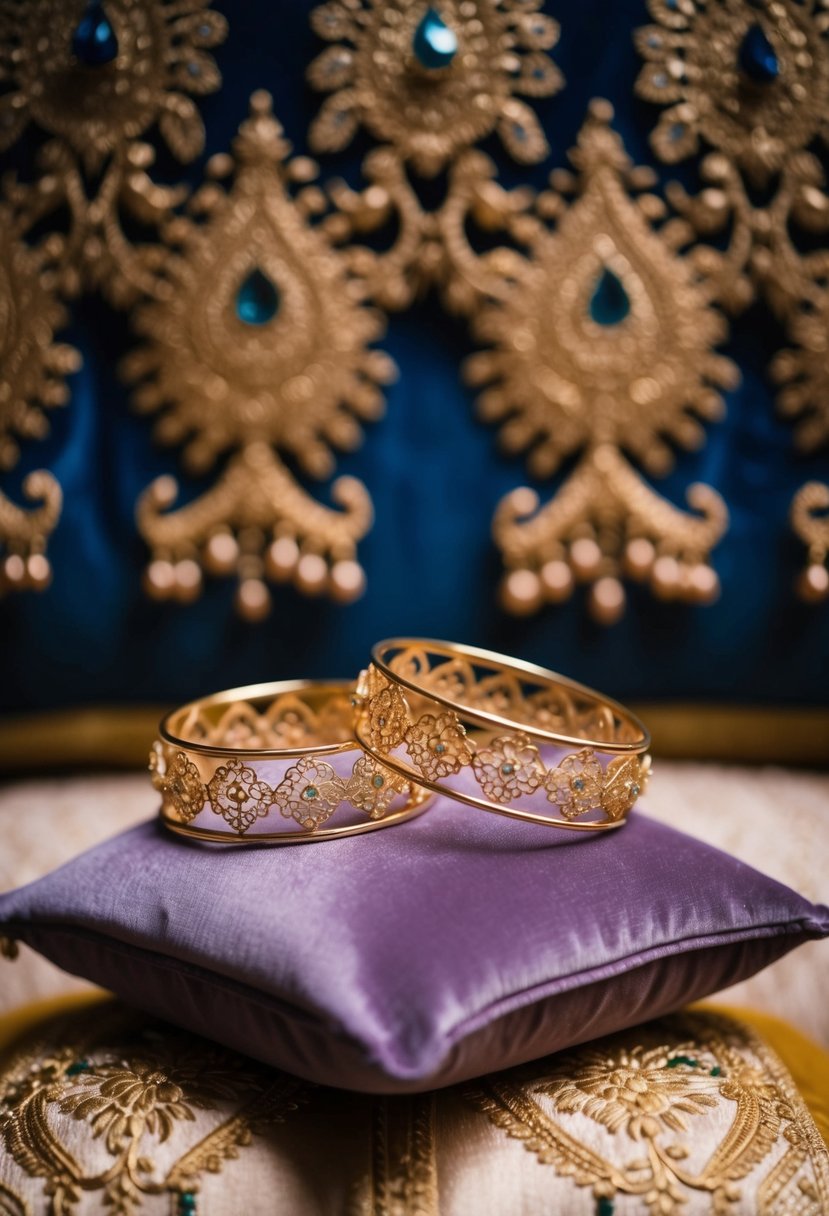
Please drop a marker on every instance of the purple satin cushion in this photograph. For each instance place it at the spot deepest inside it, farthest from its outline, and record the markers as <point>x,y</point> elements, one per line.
<point>454,944</point>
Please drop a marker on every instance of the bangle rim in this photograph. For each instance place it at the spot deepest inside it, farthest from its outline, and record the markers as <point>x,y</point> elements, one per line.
<point>485,718</point>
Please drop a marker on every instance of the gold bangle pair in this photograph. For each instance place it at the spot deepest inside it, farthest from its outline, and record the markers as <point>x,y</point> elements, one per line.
<point>425,717</point>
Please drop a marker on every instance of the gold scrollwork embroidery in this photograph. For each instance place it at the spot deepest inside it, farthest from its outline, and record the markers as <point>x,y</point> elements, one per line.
<point>135,1086</point>
<point>810,520</point>
<point>751,82</point>
<point>257,338</point>
<point>96,77</point>
<point>33,371</point>
<point>647,1091</point>
<point>602,342</point>
<point>429,84</point>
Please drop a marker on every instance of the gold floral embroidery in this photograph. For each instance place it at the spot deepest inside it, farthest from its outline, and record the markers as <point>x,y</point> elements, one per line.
<point>752,83</point>
<point>403,1177</point>
<point>509,766</point>
<point>430,108</point>
<point>97,107</point>
<point>137,1086</point>
<point>256,340</point>
<point>602,340</point>
<point>437,745</point>
<point>431,111</point>
<point>237,794</point>
<point>649,1090</point>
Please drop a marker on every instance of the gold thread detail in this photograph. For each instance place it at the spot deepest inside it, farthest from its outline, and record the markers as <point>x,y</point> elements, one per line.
<point>602,344</point>
<point>297,375</point>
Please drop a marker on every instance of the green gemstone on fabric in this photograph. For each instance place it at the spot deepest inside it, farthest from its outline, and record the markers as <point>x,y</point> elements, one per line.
<point>605,1207</point>
<point>80,1066</point>
<point>186,1203</point>
<point>756,56</point>
<point>435,45</point>
<point>716,1071</point>
<point>257,300</point>
<point>94,43</point>
<point>687,1060</point>
<point>609,303</point>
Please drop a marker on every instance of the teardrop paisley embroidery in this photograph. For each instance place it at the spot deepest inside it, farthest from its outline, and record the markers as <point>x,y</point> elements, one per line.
<point>256,339</point>
<point>601,347</point>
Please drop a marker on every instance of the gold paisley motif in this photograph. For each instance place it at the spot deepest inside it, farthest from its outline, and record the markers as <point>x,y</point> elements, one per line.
<point>602,347</point>
<point>295,373</point>
<point>428,117</point>
<point>628,1115</point>
<point>751,82</point>
<point>95,166</point>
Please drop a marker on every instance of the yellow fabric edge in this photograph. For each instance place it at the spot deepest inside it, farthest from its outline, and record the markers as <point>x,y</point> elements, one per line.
<point>806,1061</point>
<point>18,1022</point>
<point>120,736</point>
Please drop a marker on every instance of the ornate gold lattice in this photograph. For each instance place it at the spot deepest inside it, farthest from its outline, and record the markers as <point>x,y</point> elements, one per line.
<point>751,81</point>
<point>96,104</point>
<point>429,106</point>
<point>602,344</point>
<point>257,339</point>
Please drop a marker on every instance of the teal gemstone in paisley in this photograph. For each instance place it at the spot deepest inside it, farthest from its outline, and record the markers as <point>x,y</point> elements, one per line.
<point>94,43</point>
<point>756,56</point>
<point>434,44</point>
<point>609,303</point>
<point>257,300</point>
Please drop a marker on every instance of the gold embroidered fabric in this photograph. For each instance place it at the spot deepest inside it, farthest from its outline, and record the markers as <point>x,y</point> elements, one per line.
<point>691,1114</point>
<point>256,338</point>
<point>747,85</point>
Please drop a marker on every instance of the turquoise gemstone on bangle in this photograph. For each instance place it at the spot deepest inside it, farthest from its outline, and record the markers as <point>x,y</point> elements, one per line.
<point>435,44</point>
<point>94,43</point>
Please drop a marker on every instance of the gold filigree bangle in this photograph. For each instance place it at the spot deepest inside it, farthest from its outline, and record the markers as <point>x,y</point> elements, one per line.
<point>280,750</point>
<point>493,732</point>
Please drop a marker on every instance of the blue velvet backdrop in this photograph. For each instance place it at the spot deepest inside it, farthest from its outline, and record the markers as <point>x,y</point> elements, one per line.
<point>434,472</point>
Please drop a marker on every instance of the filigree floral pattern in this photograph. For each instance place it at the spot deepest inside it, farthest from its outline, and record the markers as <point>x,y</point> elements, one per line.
<point>508,767</point>
<point>183,784</point>
<point>237,794</point>
<point>621,785</point>
<point>576,785</point>
<point>430,111</point>
<point>387,718</point>
<point>438,745</point>
<point>372,788</point>
<point>309,793</point>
